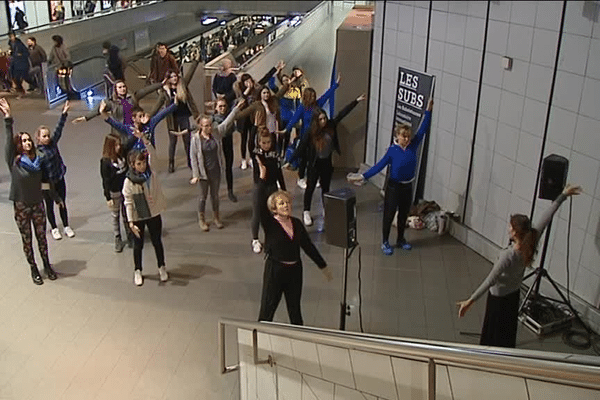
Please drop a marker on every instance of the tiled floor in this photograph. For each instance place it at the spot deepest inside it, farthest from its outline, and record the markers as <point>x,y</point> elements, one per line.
<point>93,335</point>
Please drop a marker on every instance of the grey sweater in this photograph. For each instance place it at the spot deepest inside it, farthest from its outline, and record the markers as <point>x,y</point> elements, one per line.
<point>507,274</point>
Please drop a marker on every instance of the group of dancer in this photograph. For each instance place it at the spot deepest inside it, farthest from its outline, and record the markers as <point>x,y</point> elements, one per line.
<point>265,120</point>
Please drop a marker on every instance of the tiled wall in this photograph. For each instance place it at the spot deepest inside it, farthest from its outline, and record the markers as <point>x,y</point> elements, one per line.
<point>309,371</point>
<point>493,130</point>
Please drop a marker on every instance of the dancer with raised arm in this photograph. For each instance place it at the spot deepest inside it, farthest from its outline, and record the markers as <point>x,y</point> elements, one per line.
<point>25,166</point>
<point>503,283</point>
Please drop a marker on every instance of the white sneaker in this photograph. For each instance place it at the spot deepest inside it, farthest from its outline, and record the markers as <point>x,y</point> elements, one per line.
<point>302,183</point>
<point>69,232</point>
<point>137,278</point>
<point>56,234</point>
<point>249,163</point>
<point>307,219</point>
<point>256,246</point>
<point>319,183</point>
<point>162,272</point>
<point>244,164</point>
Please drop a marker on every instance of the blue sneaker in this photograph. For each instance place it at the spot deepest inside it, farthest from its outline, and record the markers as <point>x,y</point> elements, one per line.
<point>404,245</point>
<point>387,249</point>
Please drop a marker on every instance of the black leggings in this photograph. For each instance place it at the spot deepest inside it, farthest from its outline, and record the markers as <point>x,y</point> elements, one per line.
<point>25,216</point>
<point>244,127</point>
<point>181,123</point>
<point>398,197</point>
<point>259,207</point>
<point>61,190</point>
<point>281,279</point>
<point>227,143</point>
<point>154,225</point>
<point>321,171</point>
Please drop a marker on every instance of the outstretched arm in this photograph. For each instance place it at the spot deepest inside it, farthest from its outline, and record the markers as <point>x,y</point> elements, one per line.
<point>327,95</point>
<point>146,90</point>
<point>346,110</point>
<point>424,125</point>
<point>379,166</point>
<point>160,116</point>
<point>547,215</point>
<point>10,150</point>
<point>190,72</point>
<point>61,123</point>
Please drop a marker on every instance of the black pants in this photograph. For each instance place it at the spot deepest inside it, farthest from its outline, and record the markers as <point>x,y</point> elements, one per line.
<point>259,206</point>
<point>501,320</point>
<point>398,197</point>
<point>181,123</point>
<point>244,127</point>
<point>302,164</point>
<point>61,190</point>
<point>154,225</point>
<point>322,171</point>
<point>227,143</point>
<point>283,140</point>
<point>281,279</point>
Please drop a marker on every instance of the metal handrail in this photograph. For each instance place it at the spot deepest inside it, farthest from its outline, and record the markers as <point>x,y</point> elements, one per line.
<point>577,371</point>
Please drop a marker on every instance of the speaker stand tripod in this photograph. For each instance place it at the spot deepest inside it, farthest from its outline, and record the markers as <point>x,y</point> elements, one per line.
<point>533,295</point>
<point>344,310</point>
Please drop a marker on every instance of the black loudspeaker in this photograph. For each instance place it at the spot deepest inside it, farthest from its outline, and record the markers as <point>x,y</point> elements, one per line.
<point>340,218</point>
<point>553,177</point>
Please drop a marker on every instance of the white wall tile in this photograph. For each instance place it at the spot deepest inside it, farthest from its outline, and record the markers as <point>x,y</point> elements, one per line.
<point>503,171</point>
<point>582,207</point>
<point>486,132</point>
<point>438,25</point>
<point>389,41</point>
<point>266,383</point>
<point>518,205</point>
<point>336,366</point>
<point>391,16</point>
<point>477,9</point>
<point>554,148</point>
<point>544,47</point>
<point>593,64</point>
<point>471,65</point>
<point>468,94</point>
<point>587,136</point>
<point>474,32</point>
<point>489,386</point>
<point>534,117</point>
<point>344,393</point>
<point>317,388</point>
<point>587,285</point>
<point>405,18</point>
<point>573,53</point>
<point>597,194</point>
<point>596,31</point>
<point>490,101</point>
<point>539,390</point>
<point>411,378</point>
<point>590,254</point>
<point>453,56</point>
<point>511,109</point>
<point>492,70</point>
<point>307,359</point>
<point>507,141</point>
<point>458,7</point>
<point>289,384</point>
<point>593,226</point>
<point>520,39</point>
<point>441,173</point>
<point>450,85</point>
<point>590,99</point>
<point>560,229</point>
<point>562,126</point>
<point>549,15</point>
<point>461,152</point>
<point>389,73</point>
<point>584,170</point>
<point>523,12</point>
<point>528,152</point>
<point>282,352</point>
<point>403,45</point>
<point>447,115</point>
<point>436,54</point>
<point>493,230</point>
<point>515,80</point>
<point>455,32</point>
<point>417,54</point>
<point>458,178</point>
<point>465,121</point>
<point>567,92</point>
<point>500,10</point>
<point>440,5</point>
<point>420,19</point>
<point>524,183</point>
<point>575,21</point>
<point>373,374</point>
<point>539,80</point>
<point>497,39</point>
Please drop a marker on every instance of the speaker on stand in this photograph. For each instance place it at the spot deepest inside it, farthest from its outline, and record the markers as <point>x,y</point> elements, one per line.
<point>340,231</point>
<point>536,311</point>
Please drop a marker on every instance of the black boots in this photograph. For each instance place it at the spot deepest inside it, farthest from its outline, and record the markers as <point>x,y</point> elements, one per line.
<point>231,196</point>
<point>50,272</point>
<point>119,244</point>
<point>35,275</point>
<point>171,166</point>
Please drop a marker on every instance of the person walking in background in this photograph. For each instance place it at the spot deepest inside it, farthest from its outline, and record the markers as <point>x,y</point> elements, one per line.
<point>55,170</point>
<point>19,62</point>
<point>178,123</point>
<point>401,156</point>
<point>162,61</point>
<point>114,62</point>
<point>503,283</point>
<point>25,166</point>
<point>223,81</point>
<point>144,202</point>
<point>59,54</point>
<point>37,56</point>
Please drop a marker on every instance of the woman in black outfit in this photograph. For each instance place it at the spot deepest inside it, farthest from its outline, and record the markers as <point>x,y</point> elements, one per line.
<point>284,236</point>
<point>25,166</point>
<point>318,146</point>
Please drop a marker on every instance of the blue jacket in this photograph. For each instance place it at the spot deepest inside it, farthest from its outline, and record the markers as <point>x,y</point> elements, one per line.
<point>403,163</point>
<point>51,159</point>
<point>306,114</point>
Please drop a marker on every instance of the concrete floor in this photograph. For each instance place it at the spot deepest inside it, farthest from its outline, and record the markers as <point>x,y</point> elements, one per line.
<point>92,334</point>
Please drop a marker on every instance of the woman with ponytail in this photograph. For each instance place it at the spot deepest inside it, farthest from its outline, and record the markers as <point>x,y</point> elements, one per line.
<point>504,280</point>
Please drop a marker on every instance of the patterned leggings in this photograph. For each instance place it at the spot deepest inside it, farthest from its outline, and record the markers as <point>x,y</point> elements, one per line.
<point>24,215</point>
